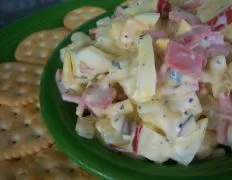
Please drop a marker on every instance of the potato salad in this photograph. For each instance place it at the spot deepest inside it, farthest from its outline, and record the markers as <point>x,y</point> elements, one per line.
<point>154,80</point>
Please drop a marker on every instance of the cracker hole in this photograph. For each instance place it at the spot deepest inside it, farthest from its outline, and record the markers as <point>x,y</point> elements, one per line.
<point>22,91</point>
<point>15,114</point>
<point>39,71</point>
<point>27,43</point>
<point>7,66</point>
<point>22,69</point>
<point>56,37</point>
<point>42,44</point>
<point>28,53</point>
<point>22,79</point>
<point>92,10</point>
<point>88,16</point>
<point>5,87</point>
<point>73,18</point>
<point>17,159</point>
<point>41,35</point>
<point>26,125</point>
<point>37,136</point>
<point>2,129</point>
<point>71,170</point>
<point>44,54</point>
<point>13,142</point>
<point>5,76</point>
<point>47,170</point>
<point>79,11</point>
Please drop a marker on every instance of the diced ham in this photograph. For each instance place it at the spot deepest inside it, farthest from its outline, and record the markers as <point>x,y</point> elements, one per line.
<point>98,97</point>
<point>162,72</point>
<point>157,34</point>
<point>225,103</point>
<point>215,49</point>
<point>177,15</point>
<point>93,97</point>
<point>194,37</point>
<point>183,59</point>
<point>163,7</point>
<point>215,46</point>
<point>221,20</point>
<point>222,132</point>
<point>225,118</point>
<point>204,42</point>
<point>215,38</point>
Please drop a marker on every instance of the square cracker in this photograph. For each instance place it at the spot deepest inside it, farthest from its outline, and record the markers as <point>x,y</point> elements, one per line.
<point>19,83</point>
<point>79,16</point>
<point>50,164</point>
<point>22,131</point>
<point>38,47</point>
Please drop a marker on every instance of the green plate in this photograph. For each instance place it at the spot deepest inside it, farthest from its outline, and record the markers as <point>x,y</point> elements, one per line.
<point>60,116</point>
<point>92,155</point>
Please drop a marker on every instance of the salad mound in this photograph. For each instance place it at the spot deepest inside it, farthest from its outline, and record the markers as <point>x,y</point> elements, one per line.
<point>155,79</point>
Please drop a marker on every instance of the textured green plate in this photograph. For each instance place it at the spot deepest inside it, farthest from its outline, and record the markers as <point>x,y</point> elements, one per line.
<point>60,117</point>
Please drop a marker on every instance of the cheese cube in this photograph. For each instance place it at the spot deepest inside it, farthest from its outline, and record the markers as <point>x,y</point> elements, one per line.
<point>146,76</point>
<point>153,146</point>
<point>144,6</point>
<point>149,18</point>
<point>212,8</point>
<point>162,43</point>
<point>183,28</point>
<point>94,59</point>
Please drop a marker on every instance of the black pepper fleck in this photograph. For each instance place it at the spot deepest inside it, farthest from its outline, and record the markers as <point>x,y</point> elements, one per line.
<point>186,113</point>
<point>218,62</point>
<point>122,106</point>
<point>180,125</point>
<point>190,100</point>
<point>125,36</point>
<point>116,64</point>
<point>141,36</point>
